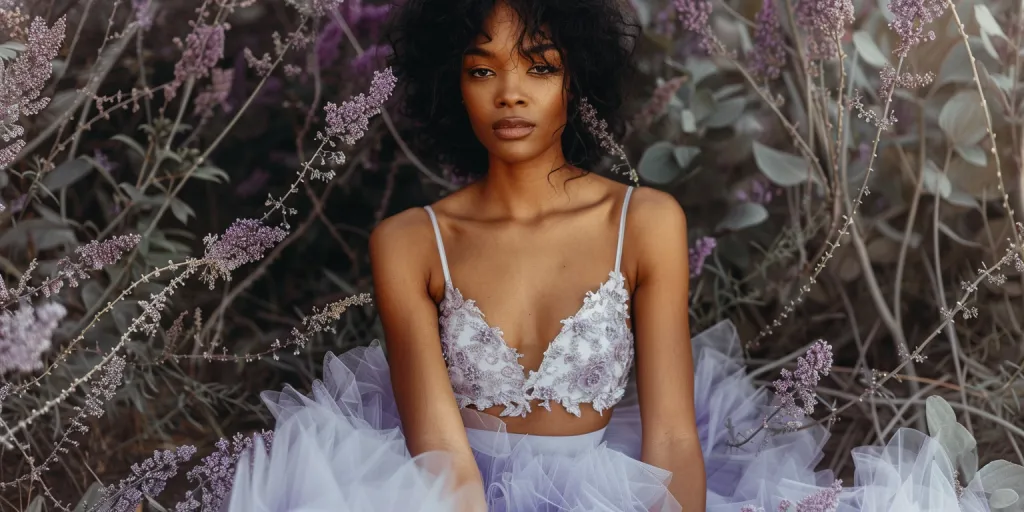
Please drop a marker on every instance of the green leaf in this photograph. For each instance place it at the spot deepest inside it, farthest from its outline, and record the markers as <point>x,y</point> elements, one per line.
<point>131,143</point>
<point>1001,474</point>
<point>962,118</point>
<point>181,210</point>
<point>973,155</point>
<point>961,198</point>
<point>702,103</point>
<point>868,50</point>
<point>211,173</point>
<point>987,22</point>
<point>742,215</point>
<point>726,113</point>
<point>684,155</point>
<point>1003,498</point>
<point>938,414</point>
<point>688,121</point>
<point>935,181</point>
<point>66,174</point>
<point>781,168</point>
<point>658,164</point>
<point>91,497</point>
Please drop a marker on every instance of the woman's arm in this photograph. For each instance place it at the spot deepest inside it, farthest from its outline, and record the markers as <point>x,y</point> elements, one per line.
<point>657,235</point>
<point>400,249</point>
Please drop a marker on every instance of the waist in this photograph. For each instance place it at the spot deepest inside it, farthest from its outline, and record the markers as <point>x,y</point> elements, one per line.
<point>497,442</point>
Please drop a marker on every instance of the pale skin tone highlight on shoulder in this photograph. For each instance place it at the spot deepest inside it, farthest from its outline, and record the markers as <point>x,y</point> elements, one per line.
<point>527,243</point>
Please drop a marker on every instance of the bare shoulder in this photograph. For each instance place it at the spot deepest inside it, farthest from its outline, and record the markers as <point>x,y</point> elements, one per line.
<point>655,218</point>
<point>400,235</point>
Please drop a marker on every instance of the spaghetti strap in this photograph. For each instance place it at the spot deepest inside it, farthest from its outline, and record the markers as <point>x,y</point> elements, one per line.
<point>622,229</point>
<point>440,244</point>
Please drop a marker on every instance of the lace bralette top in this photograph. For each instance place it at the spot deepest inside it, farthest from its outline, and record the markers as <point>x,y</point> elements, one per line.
<point>587,362</point>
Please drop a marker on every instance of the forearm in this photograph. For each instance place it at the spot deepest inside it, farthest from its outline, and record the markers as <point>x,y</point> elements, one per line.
<point>684,459</point>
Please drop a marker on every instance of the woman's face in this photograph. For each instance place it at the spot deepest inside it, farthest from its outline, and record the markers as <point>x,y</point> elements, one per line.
<point>516,104</point>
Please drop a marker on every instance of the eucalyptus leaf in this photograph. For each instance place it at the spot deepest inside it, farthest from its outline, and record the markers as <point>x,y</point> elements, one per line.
<point>1003,498</point>
<point>781,168</point>
<point>868,50</point>
<point>1002,474</point>
<point>973,154</point>
<point>726,113</point>
<point>658,164</point>
<point>935,181</point>
<point>961,198</point>
<point>44,234</point>
<point>11,49</point>
<point>962,118</point>
<point>66,174</point>
<point>36,505</point>
<point>684,155</point>
<point>956,67</point>
<point>986,21</point>
<point>702,103</point>
<point>688,121</point>
<point>938,413</point>
<point>742,215</point>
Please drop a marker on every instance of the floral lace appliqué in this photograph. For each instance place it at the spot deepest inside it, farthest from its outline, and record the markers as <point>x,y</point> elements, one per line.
<point>587,362</point>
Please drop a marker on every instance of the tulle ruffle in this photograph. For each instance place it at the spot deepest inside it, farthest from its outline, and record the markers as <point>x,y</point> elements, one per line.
<point>341,448</point>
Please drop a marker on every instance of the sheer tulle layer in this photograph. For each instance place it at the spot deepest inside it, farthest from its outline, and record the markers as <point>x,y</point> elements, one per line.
<point>341,448</point>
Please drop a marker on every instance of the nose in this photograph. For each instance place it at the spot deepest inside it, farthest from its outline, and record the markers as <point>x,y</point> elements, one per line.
<point>510,93</point>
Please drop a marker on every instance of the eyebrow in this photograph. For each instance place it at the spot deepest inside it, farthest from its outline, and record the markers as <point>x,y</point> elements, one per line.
<point>539,49</point>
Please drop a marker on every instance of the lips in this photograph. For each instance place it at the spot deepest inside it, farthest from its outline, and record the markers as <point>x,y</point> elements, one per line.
<point>511,128</point>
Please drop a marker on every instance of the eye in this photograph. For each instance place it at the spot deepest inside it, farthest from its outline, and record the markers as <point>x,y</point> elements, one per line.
<point>479,72</point>
<point>544,69</point>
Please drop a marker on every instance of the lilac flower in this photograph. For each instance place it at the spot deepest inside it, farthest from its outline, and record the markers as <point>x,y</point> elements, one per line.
<point>699,252</point>
<point>143,13</point>
<point>315,8</point>
<point>22,81</point>
<point>202,49</point>
<point>147,479</point>
<point>216,474</point>
<point>96,255</point>
<point>769,55</point>
<point>825,22</point>
<point>758,191</point>
<point>825,500</point>
<point>350,121</point>
<point>599,129</point>
<point>244,242</point>
<point>800,385</point>
<point>216,94</point>
<point>909,19</point>
<point>695,16</point>
<point>659,101</point>
<point>25,336</point>
<point>106,388</point>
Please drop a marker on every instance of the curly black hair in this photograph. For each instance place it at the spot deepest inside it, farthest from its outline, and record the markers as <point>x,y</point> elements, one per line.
<point>428,38</point>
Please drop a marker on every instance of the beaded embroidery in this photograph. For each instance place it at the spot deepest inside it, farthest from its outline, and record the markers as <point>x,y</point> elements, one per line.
<point>588,361</point>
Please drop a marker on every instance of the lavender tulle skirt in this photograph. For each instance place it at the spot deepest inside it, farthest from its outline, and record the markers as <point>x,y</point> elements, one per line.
<point>342,449</point>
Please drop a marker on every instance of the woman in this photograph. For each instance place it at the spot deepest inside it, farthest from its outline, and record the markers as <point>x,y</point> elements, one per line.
<point>534,406</point>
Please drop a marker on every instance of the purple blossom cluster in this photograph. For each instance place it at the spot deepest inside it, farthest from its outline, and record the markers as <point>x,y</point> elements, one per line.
<point>202,49</point>
<point>695,17</point>
<point>244,242</point>
<point>659,101</point>
<point>216,94</point>
<point>92,256</point>
<point>25,335</point>
<point>599,129</point>
<point>769,53</point>
<point>824,22</point>
<point>758,191</point>
<point>700,252</point>
<point>148,478</point>
<point>350,121</point>
<point>216,474</point>
<point>22,81</point>
<point>825,500</point>
<point>909,20</point>
<point>799,386</point>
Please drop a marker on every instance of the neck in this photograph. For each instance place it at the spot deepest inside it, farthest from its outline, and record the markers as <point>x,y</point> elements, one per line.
<point>530,189</point>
